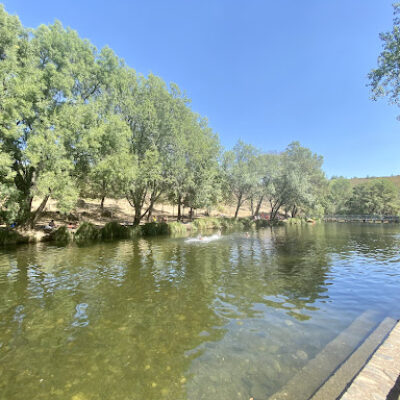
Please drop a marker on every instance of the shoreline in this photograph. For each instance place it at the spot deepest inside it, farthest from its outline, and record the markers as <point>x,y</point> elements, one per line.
<point>91,233</point>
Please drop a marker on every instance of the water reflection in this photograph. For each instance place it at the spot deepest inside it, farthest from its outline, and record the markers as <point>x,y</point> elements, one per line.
<point>162,318</point>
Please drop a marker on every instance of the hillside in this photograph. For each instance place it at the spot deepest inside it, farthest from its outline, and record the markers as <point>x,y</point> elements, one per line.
<point>395,179</point>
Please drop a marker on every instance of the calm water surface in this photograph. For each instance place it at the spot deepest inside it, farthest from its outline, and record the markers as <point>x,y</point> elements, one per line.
<point>168,319</point>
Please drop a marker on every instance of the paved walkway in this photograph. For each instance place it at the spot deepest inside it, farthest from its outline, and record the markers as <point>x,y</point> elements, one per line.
<point>380,377</point>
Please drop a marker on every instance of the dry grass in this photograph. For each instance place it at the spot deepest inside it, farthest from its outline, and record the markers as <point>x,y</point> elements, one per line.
<point>119,210</point>
<point>395,179</point>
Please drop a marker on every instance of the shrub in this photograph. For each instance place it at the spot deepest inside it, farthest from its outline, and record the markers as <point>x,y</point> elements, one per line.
<point>86,232</point>
<point>295,221</point>
<point>11,236</point>
<point>247,223</point>
<point>154,228</point>
<point>177,228</point>
<point>60,236</point>
<point>262,223</point>
<point>114,230</point>
<point>207,223</point>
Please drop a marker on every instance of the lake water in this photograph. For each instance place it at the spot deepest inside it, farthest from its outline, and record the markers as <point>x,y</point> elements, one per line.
<point>165,318</point>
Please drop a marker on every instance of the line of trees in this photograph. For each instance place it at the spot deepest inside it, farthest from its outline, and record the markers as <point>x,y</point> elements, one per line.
<point>76,121</point>
<point>372,197</point>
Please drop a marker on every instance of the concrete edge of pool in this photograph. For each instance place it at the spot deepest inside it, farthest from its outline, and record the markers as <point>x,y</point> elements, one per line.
<point>338,366</point>
<point>380,376</point>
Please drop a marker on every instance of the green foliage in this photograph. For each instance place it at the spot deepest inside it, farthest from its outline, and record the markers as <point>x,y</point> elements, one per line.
<point>241,173</point>
<point>338,194</point>
<point>154,229</point>
<point>207,223</point>
<point>384,80</point>
<point>247,223</point>
<point>295,221</point>
<point>114,230</point>
<point>61,236</point>
<point>263,223</point>
<point>176,228</point>
<point>375,197</point>
<point>8,192</point>
<point>11,236</point>
<point>86,232</point>
<point>297,184</point>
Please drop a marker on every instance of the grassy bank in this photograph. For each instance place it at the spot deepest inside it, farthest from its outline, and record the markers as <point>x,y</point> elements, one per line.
<point>89,233</point>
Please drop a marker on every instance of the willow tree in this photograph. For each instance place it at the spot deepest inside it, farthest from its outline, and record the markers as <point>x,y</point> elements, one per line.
<point>384,80</point>
<point>194,168</point>
<point>303,178</point>
<point>51,75</point>
<point>298,181</point>
<point>337,196</point>
<point>241,173</point>
<point>267,165</point>
<point>147,106</point>
<point>204,190</point>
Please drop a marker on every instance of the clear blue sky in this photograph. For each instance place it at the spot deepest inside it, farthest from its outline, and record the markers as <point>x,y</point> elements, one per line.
<point>264,71</point>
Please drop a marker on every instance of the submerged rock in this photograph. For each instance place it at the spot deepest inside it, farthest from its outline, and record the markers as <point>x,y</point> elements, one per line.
<point>302,355</point>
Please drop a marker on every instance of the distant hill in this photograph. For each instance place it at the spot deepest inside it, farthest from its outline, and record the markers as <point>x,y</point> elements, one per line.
<point>395,179</point>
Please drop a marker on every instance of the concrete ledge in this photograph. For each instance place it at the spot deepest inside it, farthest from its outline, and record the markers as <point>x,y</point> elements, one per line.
<point>343,376</point>
<point>378,379</point>
<point>307,381</point>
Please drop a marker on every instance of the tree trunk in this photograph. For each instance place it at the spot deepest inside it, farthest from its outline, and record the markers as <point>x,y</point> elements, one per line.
<point>257,211</point>
<point>191,213</point>
<point>274,210</point>
<point>35,216</point>
<point>179,217</point>
<point>138,215</point>
<point>239,203</point>
<point>294,211</point>
<point>150,210</point>
<point>102,203</point>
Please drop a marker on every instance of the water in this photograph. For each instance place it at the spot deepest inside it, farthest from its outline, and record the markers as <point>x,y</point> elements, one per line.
<point>169,319</point>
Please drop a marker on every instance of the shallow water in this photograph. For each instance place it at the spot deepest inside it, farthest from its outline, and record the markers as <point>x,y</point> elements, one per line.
<point>167,319</point>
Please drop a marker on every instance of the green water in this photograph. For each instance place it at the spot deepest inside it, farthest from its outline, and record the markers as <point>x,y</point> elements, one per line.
<point>167,319</point>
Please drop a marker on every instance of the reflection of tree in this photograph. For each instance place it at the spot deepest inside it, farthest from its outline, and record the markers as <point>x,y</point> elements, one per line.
<point>278,270</point>
<point>147,311</point>
<point>378,242</point>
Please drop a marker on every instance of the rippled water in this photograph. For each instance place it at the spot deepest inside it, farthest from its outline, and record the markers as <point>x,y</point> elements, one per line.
<point>170,319</point>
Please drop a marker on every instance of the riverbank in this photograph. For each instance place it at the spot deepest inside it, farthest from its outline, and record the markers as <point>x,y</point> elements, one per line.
<point>88,232</point>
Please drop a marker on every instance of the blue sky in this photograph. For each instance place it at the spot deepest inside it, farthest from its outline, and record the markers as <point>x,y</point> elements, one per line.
<point>265,71</point>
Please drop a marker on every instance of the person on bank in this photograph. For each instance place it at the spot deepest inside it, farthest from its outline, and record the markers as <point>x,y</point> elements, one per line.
<point>50,226</point>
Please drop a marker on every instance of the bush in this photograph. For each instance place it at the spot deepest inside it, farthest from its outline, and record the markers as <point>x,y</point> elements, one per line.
<point>177,228</point>
<point>263,223</point>
<point>87,232</point>
<point>247,223</point>
<point>154,228</point>
<point>295,221</point>
<point>60,236</point>
<point>114,230</point>
<point>207,223</point>
<point>11,236</point>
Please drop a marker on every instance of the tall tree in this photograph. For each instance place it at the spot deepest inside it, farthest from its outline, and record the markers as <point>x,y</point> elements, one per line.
<point>298,183</point>
<point>241,173</point>
<point>384,80</point>
<point>268,170</point>
<point>337,196</point>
